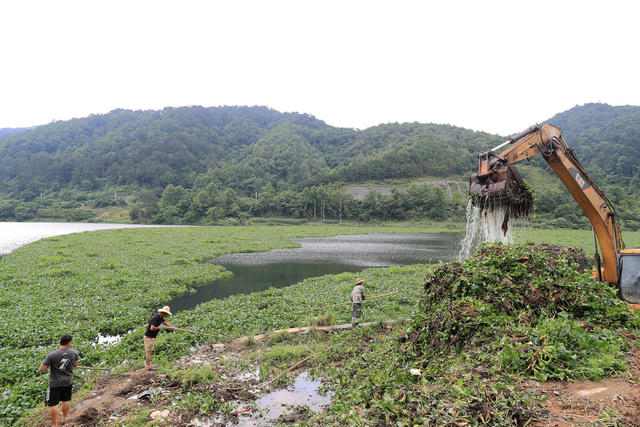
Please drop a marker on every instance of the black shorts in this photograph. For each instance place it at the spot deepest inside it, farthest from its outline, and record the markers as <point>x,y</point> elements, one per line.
<point>56,395</point>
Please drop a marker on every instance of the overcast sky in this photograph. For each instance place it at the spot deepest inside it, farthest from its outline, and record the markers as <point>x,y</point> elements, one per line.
<point>495,66</point>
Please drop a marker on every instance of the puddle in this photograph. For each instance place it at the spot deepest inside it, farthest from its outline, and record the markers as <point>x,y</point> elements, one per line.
<point>304,391</point>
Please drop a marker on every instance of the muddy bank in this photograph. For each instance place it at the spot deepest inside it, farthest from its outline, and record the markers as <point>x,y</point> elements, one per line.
<point>236,384</point>
<point>514,336</point>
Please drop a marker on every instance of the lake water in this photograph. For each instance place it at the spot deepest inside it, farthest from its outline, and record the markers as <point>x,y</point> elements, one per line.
<point>318,256</point>
<point>254,272</point>
<point>16,234</point>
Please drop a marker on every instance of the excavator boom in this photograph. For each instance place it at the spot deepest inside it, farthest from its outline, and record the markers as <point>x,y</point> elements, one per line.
<point>497,183</point>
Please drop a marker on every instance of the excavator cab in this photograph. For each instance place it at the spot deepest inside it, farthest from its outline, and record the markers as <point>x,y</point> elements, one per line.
<point>629,276</point>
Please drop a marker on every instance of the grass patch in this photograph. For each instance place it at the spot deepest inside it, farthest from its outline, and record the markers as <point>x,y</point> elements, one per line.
<point>250,341</point>
<point>278,337</point>
<point>284,353</point>
<point>194,375</point>
<point>325,319</point>
<point>200,402</point>
<point>139,417</point>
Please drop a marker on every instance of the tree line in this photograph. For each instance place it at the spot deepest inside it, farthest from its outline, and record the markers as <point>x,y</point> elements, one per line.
<point>213,205</point>
<point>202,165</point>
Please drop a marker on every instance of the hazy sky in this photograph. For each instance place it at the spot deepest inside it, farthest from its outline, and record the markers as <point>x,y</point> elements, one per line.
<point>496,66</point>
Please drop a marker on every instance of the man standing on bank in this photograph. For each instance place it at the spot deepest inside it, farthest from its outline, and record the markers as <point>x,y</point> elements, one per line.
<point>357,296</point>
<point>61,361</point>
<point>156,322</point>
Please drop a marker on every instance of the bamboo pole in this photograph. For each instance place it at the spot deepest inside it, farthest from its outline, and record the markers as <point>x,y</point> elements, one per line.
<point>346,303</point>
<point>93,368</point>
<point>194,332</point>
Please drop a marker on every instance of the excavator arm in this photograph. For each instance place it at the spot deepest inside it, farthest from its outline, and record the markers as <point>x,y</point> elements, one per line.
<point>495,174</point>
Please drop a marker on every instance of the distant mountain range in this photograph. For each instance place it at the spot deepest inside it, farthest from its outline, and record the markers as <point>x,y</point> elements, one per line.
<point>5,132</point>
<point>254,150</point>
<point>242,147</point>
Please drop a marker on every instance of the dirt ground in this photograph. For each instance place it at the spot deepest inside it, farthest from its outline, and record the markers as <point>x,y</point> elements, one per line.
<point>115,398</point>
<point>109,398</point>
<point>608,402</point>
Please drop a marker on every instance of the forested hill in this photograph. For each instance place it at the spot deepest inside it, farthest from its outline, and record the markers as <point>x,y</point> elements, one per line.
<point>248,149</point>
<point>202,165</point>
<point>607,140</point>
<point>5,132</point>
<point>147,148</point>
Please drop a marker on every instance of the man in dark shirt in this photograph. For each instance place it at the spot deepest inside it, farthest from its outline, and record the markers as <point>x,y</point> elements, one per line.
<point>156,322</point>
<point>61,361</point>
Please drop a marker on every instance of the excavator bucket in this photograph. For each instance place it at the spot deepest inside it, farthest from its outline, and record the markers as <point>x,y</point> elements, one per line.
<point>501,187</point>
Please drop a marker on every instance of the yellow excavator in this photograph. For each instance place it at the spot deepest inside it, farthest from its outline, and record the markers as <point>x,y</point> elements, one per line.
<point>497,183</point>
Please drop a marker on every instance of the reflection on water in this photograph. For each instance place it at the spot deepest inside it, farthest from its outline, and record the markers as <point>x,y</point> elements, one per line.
<point>369,250</point>
<point>318,256</point>
<point>304,391</point>
<point>253,278</point>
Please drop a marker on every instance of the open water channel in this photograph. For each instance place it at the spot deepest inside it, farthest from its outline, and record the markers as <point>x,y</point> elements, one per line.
<point>318,256</point>
<point>254,272</point>
<point>16,234</point>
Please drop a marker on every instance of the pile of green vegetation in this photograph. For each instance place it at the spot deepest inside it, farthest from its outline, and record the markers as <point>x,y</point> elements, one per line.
<point>509,314</point>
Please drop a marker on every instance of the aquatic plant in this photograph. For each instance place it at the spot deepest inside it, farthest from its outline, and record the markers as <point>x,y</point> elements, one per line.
<point>110,282</point>
<point>480,329</point>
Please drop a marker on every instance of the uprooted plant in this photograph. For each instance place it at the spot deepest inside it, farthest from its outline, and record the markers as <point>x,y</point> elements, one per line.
<point>509,314</point>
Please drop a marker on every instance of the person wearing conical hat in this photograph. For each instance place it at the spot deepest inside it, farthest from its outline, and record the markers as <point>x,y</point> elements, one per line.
<point>357,296</point>
<point>156,322</point>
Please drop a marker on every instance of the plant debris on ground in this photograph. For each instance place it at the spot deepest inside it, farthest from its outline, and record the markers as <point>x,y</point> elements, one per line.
<point>482,328</point>
<point>488,340</point>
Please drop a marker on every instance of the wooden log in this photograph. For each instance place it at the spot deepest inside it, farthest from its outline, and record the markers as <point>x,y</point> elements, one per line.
<point>93,368</point>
